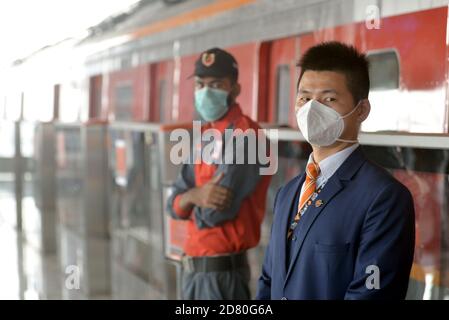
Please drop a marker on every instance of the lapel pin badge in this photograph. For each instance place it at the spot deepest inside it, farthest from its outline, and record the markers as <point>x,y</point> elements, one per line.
<point>318,203</point>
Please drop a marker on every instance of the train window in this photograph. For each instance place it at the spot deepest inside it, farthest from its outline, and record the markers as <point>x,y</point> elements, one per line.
<point>383,70</point>
<point>123,101</point>
<point>282,94</point>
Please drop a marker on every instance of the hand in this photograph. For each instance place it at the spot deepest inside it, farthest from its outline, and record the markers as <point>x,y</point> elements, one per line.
<point>213,196</point>
<point>210,195</point>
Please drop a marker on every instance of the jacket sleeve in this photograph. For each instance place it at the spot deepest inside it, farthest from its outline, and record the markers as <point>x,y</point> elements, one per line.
<point>385,253</point>
<point>264,283</point>
<point>242,179</point>
<point>184,182</point>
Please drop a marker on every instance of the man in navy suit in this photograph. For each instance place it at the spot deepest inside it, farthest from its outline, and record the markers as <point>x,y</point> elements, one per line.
<point>343,229</point>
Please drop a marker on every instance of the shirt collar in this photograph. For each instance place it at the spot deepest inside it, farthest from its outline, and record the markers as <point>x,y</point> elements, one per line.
<point>330,165</point>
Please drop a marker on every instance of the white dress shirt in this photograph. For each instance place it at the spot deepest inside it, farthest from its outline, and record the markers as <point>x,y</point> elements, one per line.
<point>330,165</point>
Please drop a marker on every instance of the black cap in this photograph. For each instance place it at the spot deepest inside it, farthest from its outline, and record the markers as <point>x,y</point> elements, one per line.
<point>216,62</point>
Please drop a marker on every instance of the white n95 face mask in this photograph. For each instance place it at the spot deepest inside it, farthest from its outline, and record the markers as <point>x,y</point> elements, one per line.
<point>321,125</point>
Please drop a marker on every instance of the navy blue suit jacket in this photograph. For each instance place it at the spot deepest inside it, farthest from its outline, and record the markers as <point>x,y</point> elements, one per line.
<point>366,221</point>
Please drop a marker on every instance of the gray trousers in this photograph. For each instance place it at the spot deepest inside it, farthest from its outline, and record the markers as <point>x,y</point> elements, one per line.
<point>222,285</point>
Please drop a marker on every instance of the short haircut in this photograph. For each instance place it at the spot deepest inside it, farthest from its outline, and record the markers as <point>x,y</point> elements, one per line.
<point>339,57</point>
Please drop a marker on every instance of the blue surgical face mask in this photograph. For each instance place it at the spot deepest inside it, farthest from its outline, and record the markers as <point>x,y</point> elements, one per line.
<point>211,104</point>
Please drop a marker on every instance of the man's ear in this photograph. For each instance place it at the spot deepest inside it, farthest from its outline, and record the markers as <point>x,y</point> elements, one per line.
<point>236,90</point>
<point>365,108</point>
<point>234,93</point>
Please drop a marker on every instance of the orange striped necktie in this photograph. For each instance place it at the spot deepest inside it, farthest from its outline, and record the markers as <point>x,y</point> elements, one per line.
<point>312,173</point>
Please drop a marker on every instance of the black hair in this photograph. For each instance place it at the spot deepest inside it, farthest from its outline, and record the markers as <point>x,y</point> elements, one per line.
<point>342,58</point>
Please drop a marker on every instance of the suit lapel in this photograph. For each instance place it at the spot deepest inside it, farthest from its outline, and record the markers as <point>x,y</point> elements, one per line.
<point>332,187</point>
<point>284,209</point>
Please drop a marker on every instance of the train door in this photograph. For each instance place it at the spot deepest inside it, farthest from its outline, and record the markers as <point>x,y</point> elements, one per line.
<point>280,57</point>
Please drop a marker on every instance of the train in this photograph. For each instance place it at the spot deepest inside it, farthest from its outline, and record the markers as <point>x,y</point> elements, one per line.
<point>100,110</point>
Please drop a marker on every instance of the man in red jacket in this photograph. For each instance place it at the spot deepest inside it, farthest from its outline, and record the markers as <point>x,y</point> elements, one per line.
<point>223,202</point>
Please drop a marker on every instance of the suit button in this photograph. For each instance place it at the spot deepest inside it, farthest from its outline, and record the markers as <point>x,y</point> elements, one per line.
<point>284,298</point>
<point>294,238</point>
